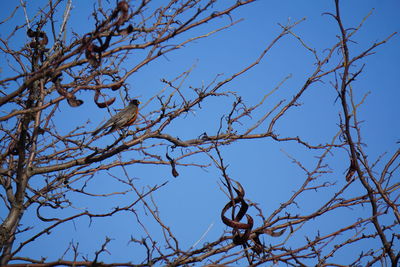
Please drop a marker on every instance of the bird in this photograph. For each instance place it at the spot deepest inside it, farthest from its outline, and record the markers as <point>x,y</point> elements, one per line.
<point>123,118</point>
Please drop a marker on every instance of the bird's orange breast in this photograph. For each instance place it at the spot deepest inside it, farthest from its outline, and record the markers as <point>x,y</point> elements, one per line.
<point>132,120</point>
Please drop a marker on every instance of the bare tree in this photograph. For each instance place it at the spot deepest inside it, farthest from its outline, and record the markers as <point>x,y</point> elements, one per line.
<point>47,167</point>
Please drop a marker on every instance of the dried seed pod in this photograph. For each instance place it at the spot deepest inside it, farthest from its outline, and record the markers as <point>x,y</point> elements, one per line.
<point>102,104</point>
<point>116,86</point>
<point>74,102</point>
<point>240,239</point>
<point>31,33</point>
<point>123,6</point>
<point>71,98</point>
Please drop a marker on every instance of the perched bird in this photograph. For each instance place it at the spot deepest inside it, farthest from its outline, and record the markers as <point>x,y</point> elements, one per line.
<point>123,118</point>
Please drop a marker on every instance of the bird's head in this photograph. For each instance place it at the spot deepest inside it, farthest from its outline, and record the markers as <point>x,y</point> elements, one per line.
<point>134,102</point>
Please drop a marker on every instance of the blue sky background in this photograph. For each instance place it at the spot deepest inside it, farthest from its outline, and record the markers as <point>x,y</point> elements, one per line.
<point>191,203</point>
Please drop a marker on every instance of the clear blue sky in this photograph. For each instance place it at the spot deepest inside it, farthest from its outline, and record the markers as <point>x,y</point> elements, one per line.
<point>191,203</point>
